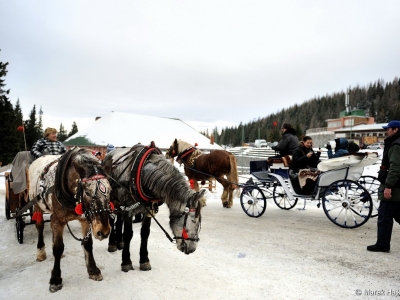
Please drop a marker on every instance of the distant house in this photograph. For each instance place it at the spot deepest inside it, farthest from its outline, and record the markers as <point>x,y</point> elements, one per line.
<point>126,130</point>
<point>353,125</point>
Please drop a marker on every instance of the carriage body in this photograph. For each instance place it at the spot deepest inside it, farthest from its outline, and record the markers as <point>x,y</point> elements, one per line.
<point>346,201</point>
<point>17,198</point>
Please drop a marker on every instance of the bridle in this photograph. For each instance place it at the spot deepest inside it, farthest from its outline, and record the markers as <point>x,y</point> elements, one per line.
<point>81,207</point>
<point>185,236</point>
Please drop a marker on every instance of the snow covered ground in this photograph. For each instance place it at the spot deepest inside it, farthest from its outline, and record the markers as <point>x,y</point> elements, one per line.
<point>295,254</point>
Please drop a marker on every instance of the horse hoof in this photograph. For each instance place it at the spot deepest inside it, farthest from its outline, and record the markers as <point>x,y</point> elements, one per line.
<point>112,248</point>
<point>41,254</point>
<point>127,268</point>
<point>120,246</point>
<point>96,277</point>
<point>225,204</point>
<point>55,287</point>
<point>145,266</point>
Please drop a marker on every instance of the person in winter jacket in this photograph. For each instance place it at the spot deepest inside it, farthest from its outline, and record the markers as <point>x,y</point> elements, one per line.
<point>340,149</point>
<point>48,145</point>
<point>288,142</point>
<point>389,190</point>
<point>304,156</point>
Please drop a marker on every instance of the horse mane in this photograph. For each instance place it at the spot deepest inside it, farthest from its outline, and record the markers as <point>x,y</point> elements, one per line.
<point>85,158</point>
<point>165,181</point>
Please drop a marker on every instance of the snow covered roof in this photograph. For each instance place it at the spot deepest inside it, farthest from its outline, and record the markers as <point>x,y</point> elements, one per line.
<point>124,129</point>
<point>362,127</point>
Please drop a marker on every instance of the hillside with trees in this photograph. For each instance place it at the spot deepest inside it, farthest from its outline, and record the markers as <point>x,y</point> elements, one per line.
<point>379,100</point>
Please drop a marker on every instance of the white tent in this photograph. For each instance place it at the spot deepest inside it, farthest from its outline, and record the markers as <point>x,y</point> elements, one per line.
<point>124,129</point>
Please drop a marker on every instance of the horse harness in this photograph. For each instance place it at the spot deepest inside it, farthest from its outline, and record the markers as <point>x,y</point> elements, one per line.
<point>184,157</point>
<point>140,195</point>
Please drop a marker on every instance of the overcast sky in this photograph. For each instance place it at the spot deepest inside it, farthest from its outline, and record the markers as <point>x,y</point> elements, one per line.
<point>208,63</point>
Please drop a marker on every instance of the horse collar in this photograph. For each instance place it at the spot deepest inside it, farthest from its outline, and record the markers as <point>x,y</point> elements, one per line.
<point>136,173</point>
<point>185,153</point>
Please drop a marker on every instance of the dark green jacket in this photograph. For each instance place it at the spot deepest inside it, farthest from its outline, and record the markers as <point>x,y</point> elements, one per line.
<point>392,152</point>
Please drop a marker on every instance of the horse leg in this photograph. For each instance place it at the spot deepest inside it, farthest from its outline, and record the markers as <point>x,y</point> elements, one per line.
<point>40,248</point>
<point>118,230</point>
<point>58,249</point>
<point>144,237</point>
<point>126,264</point>
<point>87,245</point>
<point>112,240</point>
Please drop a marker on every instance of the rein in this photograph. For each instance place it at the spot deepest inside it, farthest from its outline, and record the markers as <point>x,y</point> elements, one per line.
<point>88,212</point>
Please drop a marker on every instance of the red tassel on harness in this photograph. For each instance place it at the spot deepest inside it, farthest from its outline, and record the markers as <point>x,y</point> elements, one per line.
<point>78,209</point>
<point>184,233</point>
<point>37,216</point>
<point>112,207</point>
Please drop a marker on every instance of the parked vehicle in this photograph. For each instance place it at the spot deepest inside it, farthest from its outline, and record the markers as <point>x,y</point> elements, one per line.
<point>375,146</point>
<point>258,143</point>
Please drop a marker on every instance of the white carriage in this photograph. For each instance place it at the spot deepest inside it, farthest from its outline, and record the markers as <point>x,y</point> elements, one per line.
<point>348,198</point>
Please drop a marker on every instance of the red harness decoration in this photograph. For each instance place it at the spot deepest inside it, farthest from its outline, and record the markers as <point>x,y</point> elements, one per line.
<point>185,153</point>
<point>143,155</point>
<point>95,177</point>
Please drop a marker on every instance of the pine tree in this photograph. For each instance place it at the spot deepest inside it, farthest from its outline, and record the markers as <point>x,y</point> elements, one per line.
<point>74,129</point>
<point>62,133</point>
<point>8,131</point>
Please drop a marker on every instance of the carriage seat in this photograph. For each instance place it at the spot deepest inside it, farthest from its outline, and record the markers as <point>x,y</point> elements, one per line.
<point>284,161</point>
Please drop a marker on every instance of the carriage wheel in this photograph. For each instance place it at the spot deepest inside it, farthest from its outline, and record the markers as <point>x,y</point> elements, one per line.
<point>19,226</point>
<point>371,184</point>
<point>7,209</point>
<point>347,203</point>
<point>281,199</point>
<point>253,201</point>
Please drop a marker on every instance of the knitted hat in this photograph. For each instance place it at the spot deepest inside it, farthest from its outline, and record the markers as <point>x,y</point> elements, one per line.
<point>110,148</point>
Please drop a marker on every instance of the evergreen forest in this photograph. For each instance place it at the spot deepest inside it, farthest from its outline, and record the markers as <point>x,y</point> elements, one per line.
<point>378,99</point>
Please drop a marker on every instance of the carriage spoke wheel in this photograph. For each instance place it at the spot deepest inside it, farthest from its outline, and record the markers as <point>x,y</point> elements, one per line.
<point>7,209</point>
<point>371,184</point>
<point>281,199</point>
<point>347,203</point>
<point>253,201</point>
<point>19,227</point>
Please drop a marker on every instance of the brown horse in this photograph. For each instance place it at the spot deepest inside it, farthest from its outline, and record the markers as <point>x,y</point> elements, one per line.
<point>70,187</point>
<point>199,167</point>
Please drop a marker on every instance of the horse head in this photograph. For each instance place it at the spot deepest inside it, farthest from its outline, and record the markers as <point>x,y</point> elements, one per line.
<point>180,149</point>
<point>185,223</point>
<point>173,151</point>
<point>93,193</point>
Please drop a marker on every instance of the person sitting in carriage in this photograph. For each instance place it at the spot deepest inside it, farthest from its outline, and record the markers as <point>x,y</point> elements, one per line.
<point>48,145</point>
<point>304,156</point>
<point>288,142</point>
<point>304,164</point>
<point>341,147</point>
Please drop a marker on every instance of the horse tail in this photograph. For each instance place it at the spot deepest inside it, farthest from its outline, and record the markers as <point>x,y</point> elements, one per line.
<point>233,173</point>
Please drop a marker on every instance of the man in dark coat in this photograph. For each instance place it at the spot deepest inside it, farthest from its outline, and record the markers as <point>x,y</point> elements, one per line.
<point>289,141</point>
<point>389,190</point>
<point>304,156</point>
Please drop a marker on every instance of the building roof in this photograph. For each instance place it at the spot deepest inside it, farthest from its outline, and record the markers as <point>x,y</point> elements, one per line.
<point>362,127</point>
<point>124,129</point>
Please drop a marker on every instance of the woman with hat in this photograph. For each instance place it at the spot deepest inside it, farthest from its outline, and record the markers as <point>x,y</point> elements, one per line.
<point>48,145</point>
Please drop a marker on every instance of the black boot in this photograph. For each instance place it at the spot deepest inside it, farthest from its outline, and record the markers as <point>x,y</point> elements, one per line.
<point>376,248</point>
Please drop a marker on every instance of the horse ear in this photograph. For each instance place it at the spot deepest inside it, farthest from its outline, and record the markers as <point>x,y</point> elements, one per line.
<point>81,171</point>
